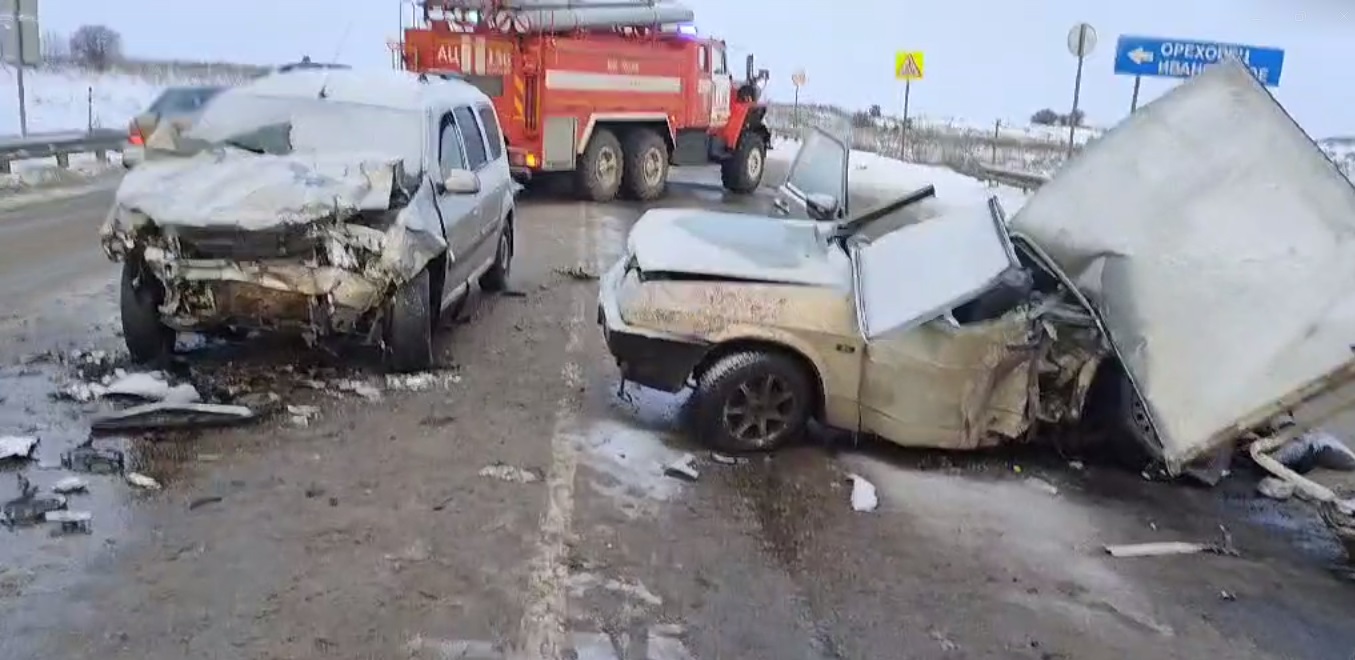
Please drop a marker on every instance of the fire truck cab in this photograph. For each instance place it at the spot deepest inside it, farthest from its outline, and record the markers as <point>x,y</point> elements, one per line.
<point>611,94</point>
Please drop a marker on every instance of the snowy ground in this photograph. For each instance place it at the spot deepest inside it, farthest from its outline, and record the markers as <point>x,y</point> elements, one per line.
<point>44,172</point>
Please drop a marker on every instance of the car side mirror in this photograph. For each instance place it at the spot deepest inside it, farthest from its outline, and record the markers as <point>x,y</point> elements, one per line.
<point>461,182</point>
<point>822,207</point>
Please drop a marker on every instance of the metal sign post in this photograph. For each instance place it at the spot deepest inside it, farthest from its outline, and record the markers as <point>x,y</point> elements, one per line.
<point>798,79</point>
<point>908,66</point>
<point>19,45</point>
<point>1081,42</point>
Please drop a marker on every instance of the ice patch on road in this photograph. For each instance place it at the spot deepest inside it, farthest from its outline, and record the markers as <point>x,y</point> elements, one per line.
<point>634,460</point>
<point>1009,523</point>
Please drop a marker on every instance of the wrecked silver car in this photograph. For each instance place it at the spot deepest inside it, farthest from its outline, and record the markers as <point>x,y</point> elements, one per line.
<point>1176,285</point>
<point>317,202</point>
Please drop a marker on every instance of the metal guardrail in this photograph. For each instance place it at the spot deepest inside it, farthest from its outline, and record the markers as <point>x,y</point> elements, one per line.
<point>59,146</point>
<point>1026,181</point>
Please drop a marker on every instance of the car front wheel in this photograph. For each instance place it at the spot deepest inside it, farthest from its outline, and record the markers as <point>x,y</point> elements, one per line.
<point>409,326</point>
<point>752,401</point>
<point>495,280</point>
<point>147,338</point>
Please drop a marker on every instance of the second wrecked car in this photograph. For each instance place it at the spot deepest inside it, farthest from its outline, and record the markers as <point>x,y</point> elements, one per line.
<point>317,202</point>
<point>1128,292</point>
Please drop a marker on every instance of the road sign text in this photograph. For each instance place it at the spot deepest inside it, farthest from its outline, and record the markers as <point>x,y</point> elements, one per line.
<point>1182,58</point>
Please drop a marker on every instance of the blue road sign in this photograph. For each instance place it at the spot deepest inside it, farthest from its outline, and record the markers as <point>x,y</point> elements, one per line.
<point>1182,58</point>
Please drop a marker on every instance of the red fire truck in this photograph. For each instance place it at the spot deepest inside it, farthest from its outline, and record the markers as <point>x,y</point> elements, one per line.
<point>613,93</point>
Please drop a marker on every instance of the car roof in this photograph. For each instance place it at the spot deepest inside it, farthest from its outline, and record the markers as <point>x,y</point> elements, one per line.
<point>385,88</point>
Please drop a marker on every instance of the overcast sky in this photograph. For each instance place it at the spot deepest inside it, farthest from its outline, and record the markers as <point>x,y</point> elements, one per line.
<point>985,59</point>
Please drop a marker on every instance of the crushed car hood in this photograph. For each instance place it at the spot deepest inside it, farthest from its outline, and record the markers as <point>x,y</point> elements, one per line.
<point>235,188</point>
<point>737,246</point>
<point>1218,243</point>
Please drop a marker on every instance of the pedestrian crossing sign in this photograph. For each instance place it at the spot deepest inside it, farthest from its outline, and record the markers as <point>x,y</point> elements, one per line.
<point>908,65</point>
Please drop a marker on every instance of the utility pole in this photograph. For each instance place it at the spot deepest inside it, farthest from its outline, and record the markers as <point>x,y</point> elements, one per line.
<point>19,64</point>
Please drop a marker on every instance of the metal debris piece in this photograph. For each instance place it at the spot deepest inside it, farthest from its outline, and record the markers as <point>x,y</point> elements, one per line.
<point>173,415</point>
<point>71,522</point>
<point>1156,549</point>
<point>578,272</point>
<point>150,386</point>
<point>511,473</point>
<point>28,508</point>
<point>1042,486</point>
<point>70,486</point>
<point>683,468</point>
<point>1276,488</point>
<point>17,447</point>
<point>421,382</point>
<point>93,460</point>
<point>142,481</point>
<point>1314,449</point>
<point>302,415</point>
<point>723,459</point>
<point>199,502</point>
<point>864,496</point>
<point>364,390</point>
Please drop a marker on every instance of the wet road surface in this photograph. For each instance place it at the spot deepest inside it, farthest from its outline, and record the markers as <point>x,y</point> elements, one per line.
<point>370,532</point>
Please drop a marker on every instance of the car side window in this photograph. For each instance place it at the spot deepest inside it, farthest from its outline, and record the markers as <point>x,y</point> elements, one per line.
<point>492,134</point>
<point>450,155</point>
<point>476,156</point>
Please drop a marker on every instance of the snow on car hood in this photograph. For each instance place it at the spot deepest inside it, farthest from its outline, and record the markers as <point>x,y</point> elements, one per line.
<point>235,188</point>
<point>1218,243</point>
<point>737,246</point>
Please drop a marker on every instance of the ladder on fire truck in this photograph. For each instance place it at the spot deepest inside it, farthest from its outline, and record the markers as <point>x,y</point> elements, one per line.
<point>552,16</point>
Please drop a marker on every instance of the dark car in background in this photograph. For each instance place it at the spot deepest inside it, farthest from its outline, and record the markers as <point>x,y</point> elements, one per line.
<point>180,105</point>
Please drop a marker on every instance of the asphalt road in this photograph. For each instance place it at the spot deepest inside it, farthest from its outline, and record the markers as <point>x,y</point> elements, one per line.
<point>371,532</point>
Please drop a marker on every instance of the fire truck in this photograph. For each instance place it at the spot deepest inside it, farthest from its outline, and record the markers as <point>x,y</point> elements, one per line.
<point>611,92</point>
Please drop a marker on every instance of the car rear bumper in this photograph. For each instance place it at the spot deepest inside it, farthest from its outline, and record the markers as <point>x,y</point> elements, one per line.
<point>655,360</point>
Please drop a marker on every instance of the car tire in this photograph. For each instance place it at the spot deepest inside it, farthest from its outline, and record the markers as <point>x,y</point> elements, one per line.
<point>598,177</point>
<point>742,171</point>
<point>147,338</point>
<point>1130,446</point>
<point>644,176</point>
<point>409,326</point>
<point>495,279</point>
<point>777,389</point>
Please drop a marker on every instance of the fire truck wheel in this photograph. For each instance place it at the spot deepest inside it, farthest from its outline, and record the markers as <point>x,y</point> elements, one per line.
<point>645,174</point>
<point>599,173</point>
<point>742,171</point>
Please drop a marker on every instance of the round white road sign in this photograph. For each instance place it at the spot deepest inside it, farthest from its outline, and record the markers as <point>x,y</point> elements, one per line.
<point>1082,40</point>
<point>798,78</point>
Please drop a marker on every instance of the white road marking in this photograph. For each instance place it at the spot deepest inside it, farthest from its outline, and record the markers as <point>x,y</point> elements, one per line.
<point>542,634</point>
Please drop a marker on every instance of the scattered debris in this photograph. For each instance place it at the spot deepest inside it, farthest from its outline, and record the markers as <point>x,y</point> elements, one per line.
<point>1156,549</point>
<point>727,460</point>
<point>421,382</point>
<point>1227,595</point>
<point>360,388</point>
<point>149,386</point>
<point>1042,486</point>
<point>71,522</point>
<point>944,640</point>
<point>314,491</point>
<point>1276,488</point>
<point>1077,465</point>
<point>579,272</point>
<point>864,496</point>
<point>142,481</point>
<point>70,486</point>
<point>28,508</point>
<point>1314,449</point>
<point>504,472</point>
<point>302,415</point>
<point>684,467</point>
<point>512,293</point>
<point>1214,467</point>
<point>172,415</point>
<point>198,502</point>
<point>17,447</point>
<point>93,460</point>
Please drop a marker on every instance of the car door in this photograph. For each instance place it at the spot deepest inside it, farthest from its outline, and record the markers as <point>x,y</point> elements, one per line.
<point>816,183</point>
<point>928,379</point>
<point>461,213</point>
<point>496,178</point>
<point>478,160</point>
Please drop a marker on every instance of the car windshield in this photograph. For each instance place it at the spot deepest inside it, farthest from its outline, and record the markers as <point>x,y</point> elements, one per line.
<point>283,125</point>
<point>183,100</point>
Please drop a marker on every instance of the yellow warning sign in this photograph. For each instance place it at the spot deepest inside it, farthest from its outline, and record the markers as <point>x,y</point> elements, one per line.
<point>908,65</point>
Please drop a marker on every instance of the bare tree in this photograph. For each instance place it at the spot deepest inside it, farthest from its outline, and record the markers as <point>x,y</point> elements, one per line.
<point>55,47</point>
<point>1046,117</point>
<point>96,46</point>
<point>875,111</point>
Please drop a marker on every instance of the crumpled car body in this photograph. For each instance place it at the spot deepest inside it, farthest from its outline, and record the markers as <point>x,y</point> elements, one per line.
<point>1147,260</point>
<point>284,210</point>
